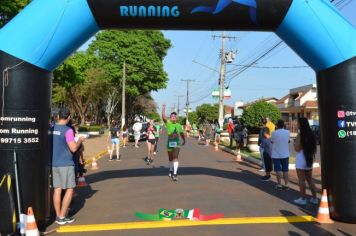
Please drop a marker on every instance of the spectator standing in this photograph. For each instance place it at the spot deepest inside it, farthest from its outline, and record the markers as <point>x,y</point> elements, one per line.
<point>207,133</point>
<point>230,130</point>
<point>137,127</point>
<point>124,135</point>
<point>280,154</point>
<point>63,145</point>
<point>267,153</point>
<point>260,137</point>
<point>78,156</point>
<point>217,131</point>
<point>305,146</point>
<point>269,124</point>
<point>238,134</point>
<point>114,135</point>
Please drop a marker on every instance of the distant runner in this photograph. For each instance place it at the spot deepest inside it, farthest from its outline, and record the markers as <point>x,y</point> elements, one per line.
<point>174,130</point>
<point>158,132</point>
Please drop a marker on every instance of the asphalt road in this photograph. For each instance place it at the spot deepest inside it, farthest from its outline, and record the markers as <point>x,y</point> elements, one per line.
<point>209,180</point>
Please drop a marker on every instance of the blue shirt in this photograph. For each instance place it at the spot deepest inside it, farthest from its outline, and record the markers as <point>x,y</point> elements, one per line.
<point>266,144</point>
<point>61,154</point>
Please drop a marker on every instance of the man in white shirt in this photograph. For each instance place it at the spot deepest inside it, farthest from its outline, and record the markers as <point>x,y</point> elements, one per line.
<point>137,132</point>
<point>280,154</point>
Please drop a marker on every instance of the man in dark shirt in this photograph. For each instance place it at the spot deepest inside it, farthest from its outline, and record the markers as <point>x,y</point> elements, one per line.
<point>63,145</point>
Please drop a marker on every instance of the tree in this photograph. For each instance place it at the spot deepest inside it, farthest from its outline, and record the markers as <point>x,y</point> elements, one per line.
<point>193,118</point>
<point>143,52</point>
<point>79,84</point>
<point>253,114</point>
<point>154,116</point>
<point>207,112</point>
<point>10,8</point>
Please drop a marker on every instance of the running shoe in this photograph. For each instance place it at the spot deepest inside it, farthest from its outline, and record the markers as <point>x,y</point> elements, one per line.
<point>170,173</point>
<point>278,187</point>
<point>175,178</point>
<point>155,153</point>
<point>314,201</point>
<point>266,178</point>
<point>285,187</point>
<point>60,221</point>
<point>69,219</point>
<point>300,201</point>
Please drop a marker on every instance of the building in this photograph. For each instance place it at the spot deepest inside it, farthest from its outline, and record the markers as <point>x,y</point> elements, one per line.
<point>300,102</point>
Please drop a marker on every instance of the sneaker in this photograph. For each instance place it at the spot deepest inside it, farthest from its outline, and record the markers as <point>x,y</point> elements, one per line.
<point>314,201</point>
<point>175,178</point>
<point>69,219</point>
<point>285,187</point>
<point>300,201</point>
<point>60,221</point>
<point>118,159</point>
<point>278,187</point>
<point>110,159</point>
<point>266,178</point>
<point>261,170</point>
<point>155,153</point>
<point>170,173</point>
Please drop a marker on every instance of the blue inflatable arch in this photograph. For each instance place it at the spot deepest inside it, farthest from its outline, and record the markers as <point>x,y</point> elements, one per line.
<point>46,32</point>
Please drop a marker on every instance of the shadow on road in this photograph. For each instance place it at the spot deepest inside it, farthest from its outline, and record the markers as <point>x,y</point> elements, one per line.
<point>310,228</point>
<point>242,175</point>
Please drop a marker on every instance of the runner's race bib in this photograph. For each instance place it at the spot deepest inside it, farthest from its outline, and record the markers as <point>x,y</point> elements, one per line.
<point>172,144</point>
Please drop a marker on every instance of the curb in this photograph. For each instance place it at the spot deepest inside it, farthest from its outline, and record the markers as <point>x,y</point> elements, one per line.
<point>244,157</point>
<point>97,157</point>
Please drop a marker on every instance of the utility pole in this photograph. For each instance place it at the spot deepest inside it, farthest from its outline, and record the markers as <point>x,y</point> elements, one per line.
<point>187,100</point>
<point>123,113</point>
<point>222,76</point>
<point>178,110</point>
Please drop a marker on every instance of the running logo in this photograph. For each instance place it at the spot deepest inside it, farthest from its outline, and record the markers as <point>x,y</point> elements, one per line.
<point>222,4</point>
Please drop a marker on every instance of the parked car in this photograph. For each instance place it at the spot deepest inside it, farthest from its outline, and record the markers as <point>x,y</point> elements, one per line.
<point>316,132</point>
<point>131,135</point>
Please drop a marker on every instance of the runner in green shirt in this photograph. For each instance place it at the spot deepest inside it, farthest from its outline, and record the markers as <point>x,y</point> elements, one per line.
<point>175,134</point>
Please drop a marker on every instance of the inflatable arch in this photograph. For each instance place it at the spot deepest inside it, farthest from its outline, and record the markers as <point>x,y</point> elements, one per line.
<point>46,32</point>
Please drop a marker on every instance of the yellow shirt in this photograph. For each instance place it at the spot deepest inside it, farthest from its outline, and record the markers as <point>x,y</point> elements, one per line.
<point>270,126</point>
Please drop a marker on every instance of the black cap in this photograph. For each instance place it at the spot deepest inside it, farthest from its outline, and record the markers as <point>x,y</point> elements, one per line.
<point>64,113</point>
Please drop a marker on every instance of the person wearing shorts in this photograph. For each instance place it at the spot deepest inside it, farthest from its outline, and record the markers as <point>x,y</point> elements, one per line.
<point>124,135</point>
<point>137,127</point>
<point>280,154</point>
<point>175,135</point>
<point>63,145</point>
<point>114,135</point>
<point>151,141</point>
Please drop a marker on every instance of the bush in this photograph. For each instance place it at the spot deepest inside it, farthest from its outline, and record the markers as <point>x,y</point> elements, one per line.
<point>253,114</point>
<point>94,128</point>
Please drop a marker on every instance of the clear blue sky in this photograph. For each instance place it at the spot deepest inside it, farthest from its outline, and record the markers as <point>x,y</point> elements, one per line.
<point>252,84</point>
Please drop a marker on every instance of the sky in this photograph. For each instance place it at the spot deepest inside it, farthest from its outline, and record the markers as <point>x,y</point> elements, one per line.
<point>254,83</point>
